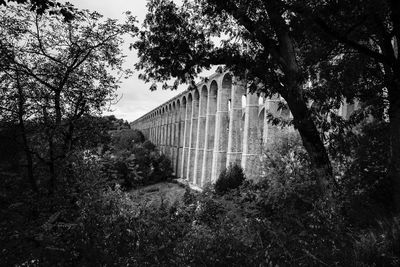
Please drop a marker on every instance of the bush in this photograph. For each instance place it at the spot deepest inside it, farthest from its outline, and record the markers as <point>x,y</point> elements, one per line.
<point>154,166</point>
<point>10,146</point>
<point>149,145</point>
<point>123,139</point>
<point>280,220</point>
<point>230,178</point>
<point>292,220</point>
<point>135,161</point>
<point>288,178</point>
<point>380,246</point>
<point>121,168</point>
<point>269,223</point>
<point>365,183</point>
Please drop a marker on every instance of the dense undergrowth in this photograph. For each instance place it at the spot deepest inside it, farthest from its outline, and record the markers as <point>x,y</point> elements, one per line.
<point>134,161</point>
<point>92,220</point>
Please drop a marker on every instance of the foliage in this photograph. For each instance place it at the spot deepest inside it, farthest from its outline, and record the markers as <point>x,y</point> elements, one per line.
<point>379,245</point>
<point>10,149</point>
<point>125,139</point>
<point>41,6</point>
<point>287,174</point>
<point>230,178</point>
<point>269,223</point>
<point>43,221</point>
<point>134,161</point>
<point>281,219</point>
<point>54,75</point>
<point>298,226</point>
<point>154,166</point>
<point>91,132</point>
<point>123,169</point>
<point>301,223</point>
<point>364,181</point>
<point>90,135</point>
<point>149,145</point>
<point>265,43</point>
<point>328,52</point>
<point>368,31</point>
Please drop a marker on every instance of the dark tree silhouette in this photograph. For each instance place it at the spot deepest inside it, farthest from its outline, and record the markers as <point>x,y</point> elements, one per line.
<point>55,72</point>
<point>372,29</point>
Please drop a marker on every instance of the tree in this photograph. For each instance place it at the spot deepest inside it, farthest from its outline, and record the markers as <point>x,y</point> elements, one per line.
<point>260,40</point>
<point>124,139</point>
<point>92,132</point>
<point>63,71</point>
<point>41,6</point>
<point>370,28</point>
<point>15,109</point>
<point>230,178</point>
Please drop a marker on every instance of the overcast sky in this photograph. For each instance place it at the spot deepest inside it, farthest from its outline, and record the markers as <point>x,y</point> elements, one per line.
<point>137,99</point>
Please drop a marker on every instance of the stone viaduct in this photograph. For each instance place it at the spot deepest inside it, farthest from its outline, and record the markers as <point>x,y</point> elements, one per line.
<point>204,130</point>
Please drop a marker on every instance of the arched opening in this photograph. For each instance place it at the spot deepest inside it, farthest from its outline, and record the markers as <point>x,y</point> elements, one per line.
<point>260,129</point>
<point>200,142</point>
<point>177,136</point>
<point>172,135</point>
<point>284,110</point>
<point>243,117</point>
<point>169,131</point>
<point>212,110</point>
<point>181,143</point>
<point>226,89</point>
<point>222,127</point>
<point>193,135</point>
<point>162,132</point>
<point>261,100</point>
<point>210,133</point>
<point>243,101</point>
<point>203,101</point>
<point>188,125</point>
<point>226,100</point>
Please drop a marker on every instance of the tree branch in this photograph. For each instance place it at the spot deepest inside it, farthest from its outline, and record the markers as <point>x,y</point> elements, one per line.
<point>252,27</point>
<point>337,35</point>
<point>38,37</point>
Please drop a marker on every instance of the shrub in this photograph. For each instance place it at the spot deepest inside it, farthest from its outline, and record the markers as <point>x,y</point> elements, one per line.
<point>123,139</point>
<point>288,178</point>
<point>230,178</point>
<point>296,224</point>
<point>138,164</point>
<point>269,223</point>
<point>149,145</point>
<point>365,183</point>
<point>379,246</point>
<point>10,146</point>
<point>162,169</point>
<point>153,166</point>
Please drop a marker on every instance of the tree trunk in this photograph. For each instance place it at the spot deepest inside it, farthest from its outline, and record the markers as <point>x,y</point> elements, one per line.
<point>293,93</point>
<point>68,138</point>
<point>25,143</point>
<point>28,156</point>
<point>394,108</point>
<point>52,172</point>
<point>57,107</point>
<point>394,136</point>
<point>50,141</point>
<point>311,140</point>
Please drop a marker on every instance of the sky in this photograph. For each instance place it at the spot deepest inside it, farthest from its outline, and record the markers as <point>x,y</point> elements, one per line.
<point>136,98</point>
